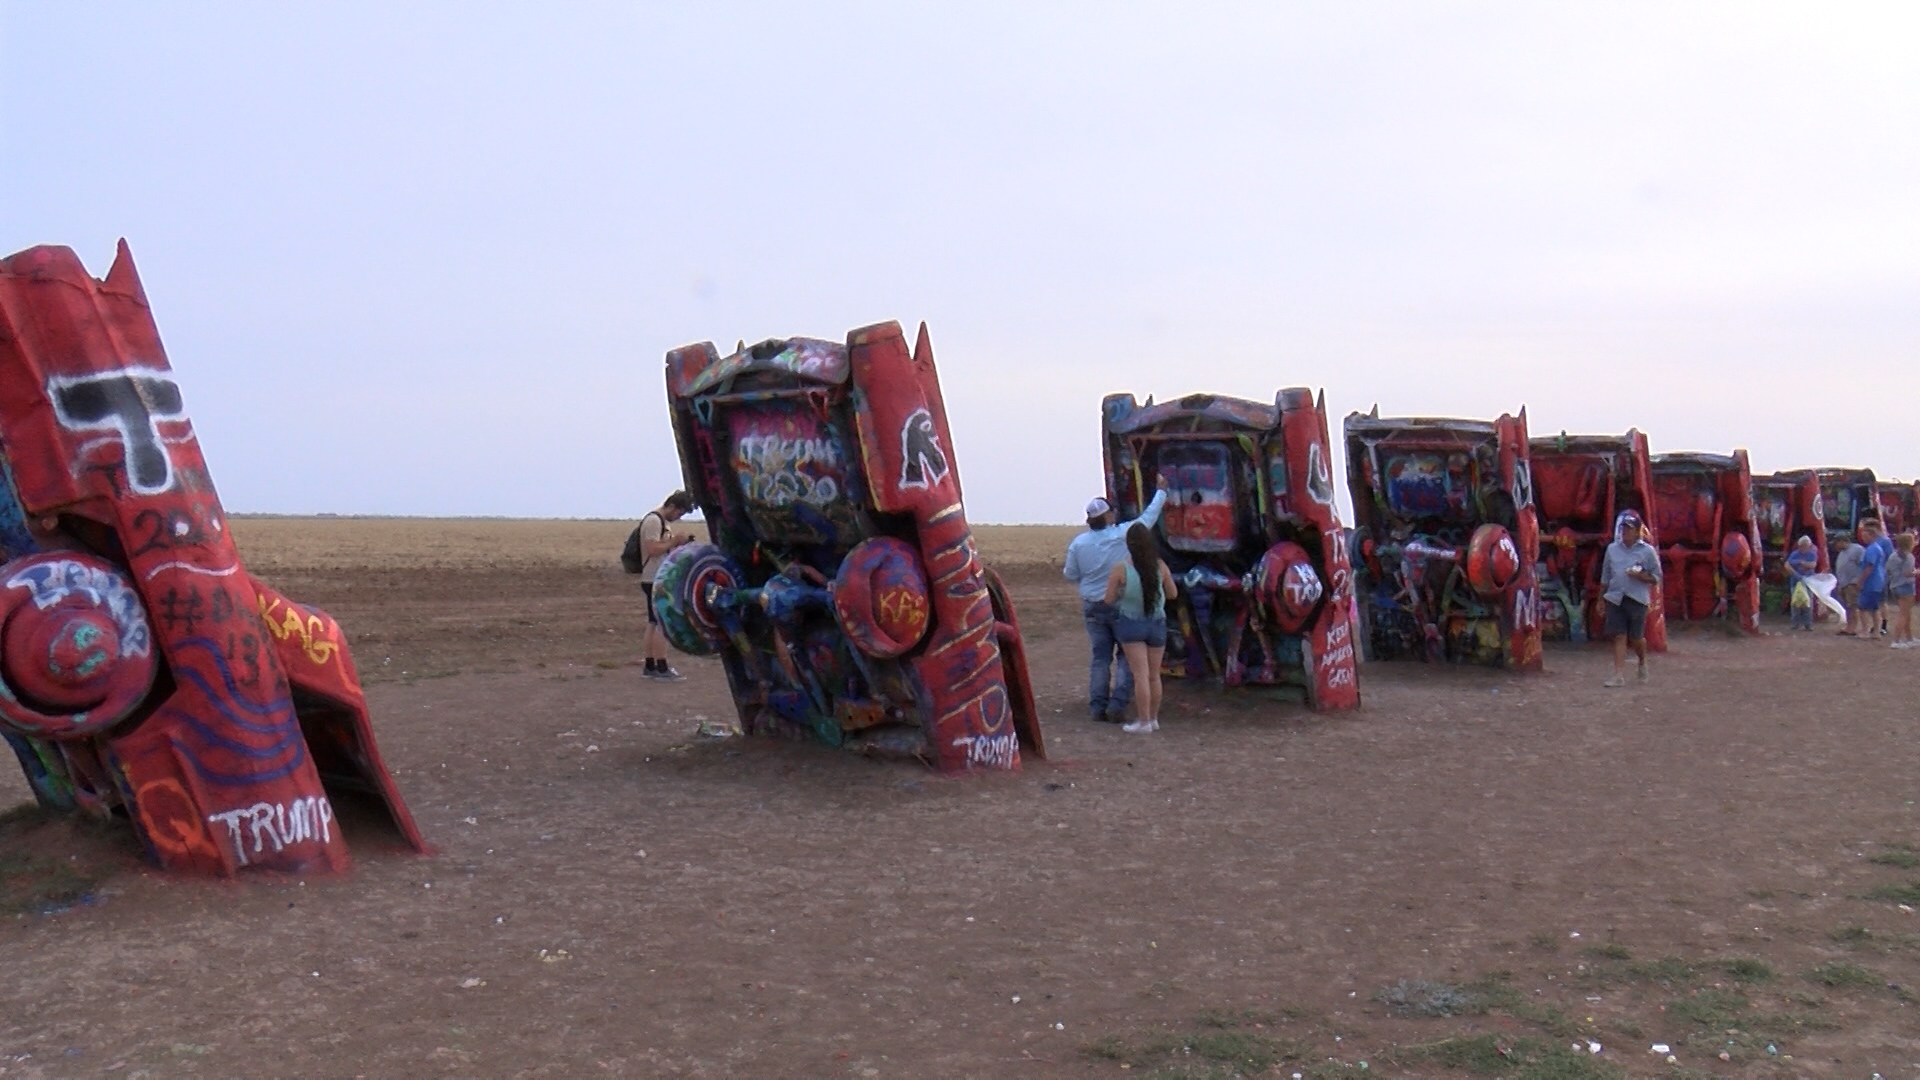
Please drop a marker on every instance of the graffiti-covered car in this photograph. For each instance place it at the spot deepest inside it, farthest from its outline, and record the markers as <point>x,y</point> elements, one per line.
<point>1445,539</point>
<point>1847,497</point>
<point>841,587</point>
<point>1899,505</point>
<point>1581,485</point>
<point>1250,532</point>
<point>1787,506</point>
<point>143,672</point>
<point>1709,540</point>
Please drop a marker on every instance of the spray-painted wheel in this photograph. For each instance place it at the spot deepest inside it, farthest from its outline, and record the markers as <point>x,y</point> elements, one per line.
<point>1288,586</point>
<point>880,597</point>
<point>76,652</point>
<point>689,587</point>
<point>1736,556</point>
<point>1493,561</point>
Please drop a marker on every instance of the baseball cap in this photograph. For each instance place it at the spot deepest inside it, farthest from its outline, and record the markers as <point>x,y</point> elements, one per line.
<point>1631,517</point>
<point>1098,507</point>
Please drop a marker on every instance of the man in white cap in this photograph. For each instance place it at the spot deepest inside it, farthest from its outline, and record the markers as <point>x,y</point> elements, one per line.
<point>1090,558</point>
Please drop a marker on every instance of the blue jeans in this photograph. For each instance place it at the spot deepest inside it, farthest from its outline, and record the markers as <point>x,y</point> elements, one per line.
<point>1101,619</point>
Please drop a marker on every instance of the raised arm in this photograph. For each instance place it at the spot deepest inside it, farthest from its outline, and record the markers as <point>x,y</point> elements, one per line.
<point>1151,515</point>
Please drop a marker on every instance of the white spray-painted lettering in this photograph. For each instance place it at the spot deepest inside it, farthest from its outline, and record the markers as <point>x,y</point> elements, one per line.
<point>1522,485</point>
<point>780,471</point>
<point>1338,657</point>
<point>993,751</point>
<point>1526,609</point>
<point>281,825</point>
<point>54,581</point>
<point>1319,481</point>
<point>922,462</point>
<point>1303,585</point>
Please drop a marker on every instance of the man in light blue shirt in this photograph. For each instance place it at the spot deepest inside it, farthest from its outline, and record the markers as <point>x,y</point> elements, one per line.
<point>1090,558</point>
<point>1628,572</point>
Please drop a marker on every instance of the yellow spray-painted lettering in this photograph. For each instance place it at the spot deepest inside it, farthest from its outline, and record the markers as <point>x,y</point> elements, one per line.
<point>311,632</point>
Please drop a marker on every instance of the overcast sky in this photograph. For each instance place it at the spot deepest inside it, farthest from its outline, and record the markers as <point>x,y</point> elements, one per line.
<point>426,259</point>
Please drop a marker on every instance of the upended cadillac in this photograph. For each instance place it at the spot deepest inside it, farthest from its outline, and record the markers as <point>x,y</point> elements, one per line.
<point>841,587</point>
<point>1446,537</point>
<point>1251,532</point>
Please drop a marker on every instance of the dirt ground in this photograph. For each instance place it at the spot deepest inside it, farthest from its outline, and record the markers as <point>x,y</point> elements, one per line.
<point>1474,873</point>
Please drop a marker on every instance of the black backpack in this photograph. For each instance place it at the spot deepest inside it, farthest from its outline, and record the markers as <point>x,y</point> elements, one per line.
<point>630,559</point>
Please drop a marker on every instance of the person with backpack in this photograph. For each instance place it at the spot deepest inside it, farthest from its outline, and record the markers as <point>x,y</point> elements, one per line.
<point>648,543</point>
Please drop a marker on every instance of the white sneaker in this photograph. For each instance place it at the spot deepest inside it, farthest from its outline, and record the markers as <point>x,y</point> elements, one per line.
<point>1614,681</point>
<point>1140,727</point>
<point>1643,673</point>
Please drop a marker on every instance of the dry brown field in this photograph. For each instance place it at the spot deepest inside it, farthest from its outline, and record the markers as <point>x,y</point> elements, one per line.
<point>1474,874</point>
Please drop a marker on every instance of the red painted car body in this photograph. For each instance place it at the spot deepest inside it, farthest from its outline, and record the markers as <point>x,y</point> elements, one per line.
<point>1710,553</point>
<point>1787,506</point>
<point>842,588</point>
<point>144,671</point>
<point>1581,484</point>
<point>1899,505</point>
<point>1446,538</point>
<point>1250,532</point>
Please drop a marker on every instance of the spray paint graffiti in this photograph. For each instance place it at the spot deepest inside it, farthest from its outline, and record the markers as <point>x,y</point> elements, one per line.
<point>51,582</point>
<point>779,470</point>
<point>922,462</point>
<point>281,825</point>
<point>990,751</point>
<point>316,636</point>
<point>1319,480</point>
<point>1257,568</point>
<point>156,689</point>
<point>855,614</point>
<point>1446,539</point>
<point>131,403</point>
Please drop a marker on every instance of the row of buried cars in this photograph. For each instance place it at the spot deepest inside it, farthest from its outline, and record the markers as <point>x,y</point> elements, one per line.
<point>842,591</point>
<point>147,677</point>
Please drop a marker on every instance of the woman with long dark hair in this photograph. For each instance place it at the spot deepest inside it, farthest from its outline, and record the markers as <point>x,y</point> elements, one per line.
<point>1140,587</point>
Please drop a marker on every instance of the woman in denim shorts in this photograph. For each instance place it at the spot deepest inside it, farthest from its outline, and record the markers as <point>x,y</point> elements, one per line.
<point>1140,588</point>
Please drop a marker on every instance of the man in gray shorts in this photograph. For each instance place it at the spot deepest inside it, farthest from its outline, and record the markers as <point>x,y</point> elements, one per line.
<point>1627,577</point>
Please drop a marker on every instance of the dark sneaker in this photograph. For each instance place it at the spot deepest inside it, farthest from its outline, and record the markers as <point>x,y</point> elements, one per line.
<point>1116,716</point>
<point>665,673</point>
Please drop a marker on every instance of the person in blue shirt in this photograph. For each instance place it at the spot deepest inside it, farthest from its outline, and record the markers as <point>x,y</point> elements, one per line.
<point>1091,557</point>
<point>1873,574</point>
<point>1802,562</point>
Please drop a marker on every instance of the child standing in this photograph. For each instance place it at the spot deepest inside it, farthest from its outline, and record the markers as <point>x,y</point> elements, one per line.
<point>1900,588</point>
